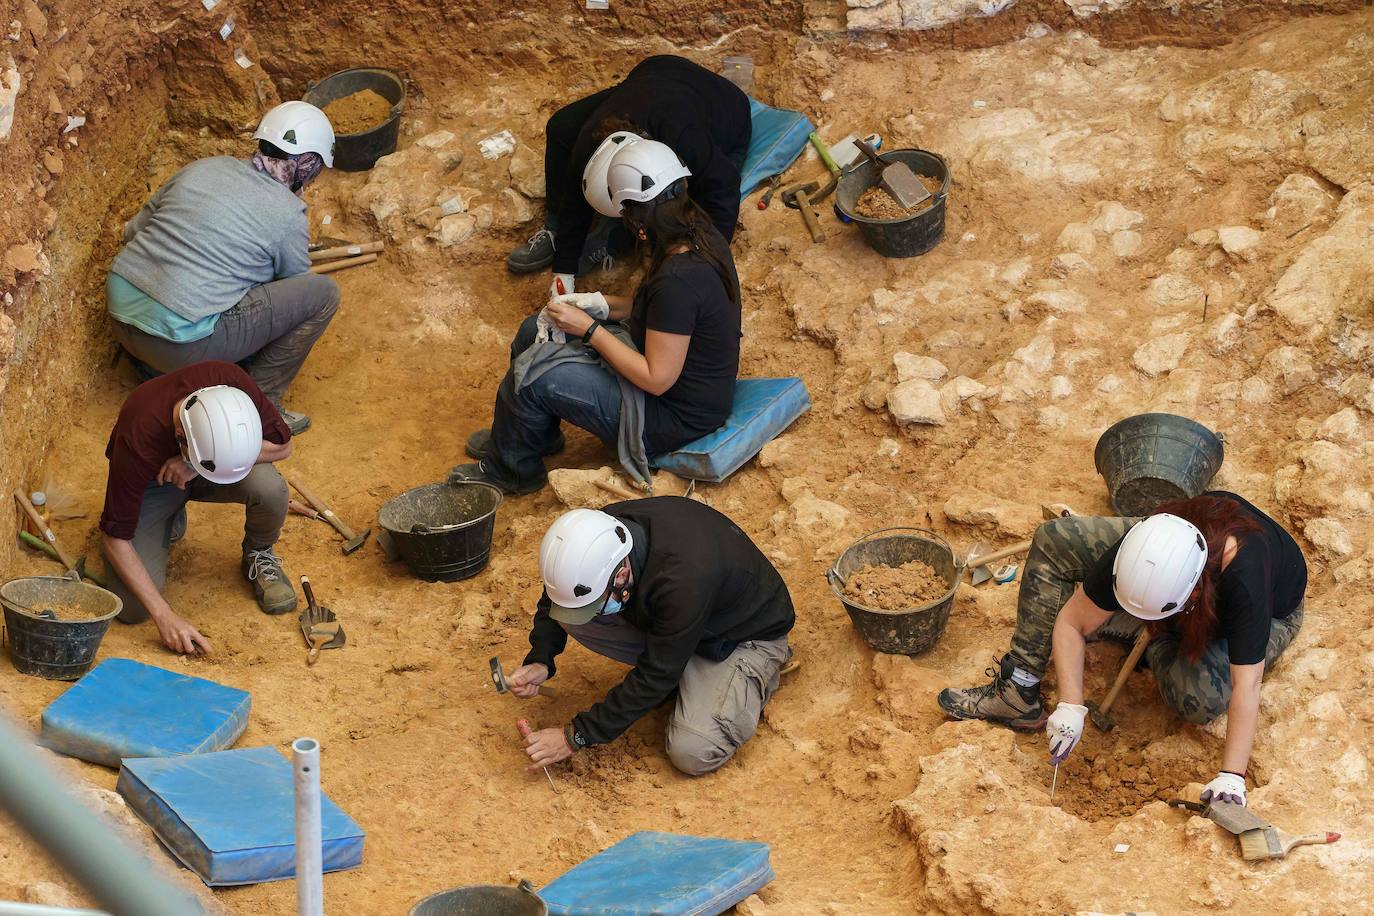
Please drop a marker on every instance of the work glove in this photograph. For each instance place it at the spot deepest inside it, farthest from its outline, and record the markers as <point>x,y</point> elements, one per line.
<point>1064,729</point>
<point>1227,787</point>
<point>569,282</point>
<point>593,304</point>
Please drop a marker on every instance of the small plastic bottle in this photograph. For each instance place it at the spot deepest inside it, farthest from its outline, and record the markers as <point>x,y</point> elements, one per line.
<point>40,502</point>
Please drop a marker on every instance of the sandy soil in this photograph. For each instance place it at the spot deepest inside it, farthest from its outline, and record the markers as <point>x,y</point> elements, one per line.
<point>896,588</point>
<point>1090,270</point>
<point>358,112</point>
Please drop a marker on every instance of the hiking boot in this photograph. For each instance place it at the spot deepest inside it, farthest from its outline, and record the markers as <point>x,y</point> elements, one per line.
<point>483,472</point>
<point>296,422</point>
<point>601,259</point>
<point>274,593</point>
<point>1003,700</point>
<point>480,442</point>
<point>1121,627</point>
<point>535,254</point>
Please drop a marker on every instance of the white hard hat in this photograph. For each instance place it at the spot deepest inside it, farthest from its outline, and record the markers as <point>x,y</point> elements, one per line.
<point>223,433</point>
<point>1158,565</point>
<point>642,171</point>
<point>577,558</point>
<point>594,175</point>
<point>298,127</point>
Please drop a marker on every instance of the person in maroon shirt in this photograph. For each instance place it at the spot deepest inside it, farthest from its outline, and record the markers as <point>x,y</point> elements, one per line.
<point>205,433</point>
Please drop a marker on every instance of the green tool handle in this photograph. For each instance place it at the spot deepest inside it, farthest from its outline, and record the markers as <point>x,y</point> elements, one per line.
<point>824,153</point>
<point>41,545</point>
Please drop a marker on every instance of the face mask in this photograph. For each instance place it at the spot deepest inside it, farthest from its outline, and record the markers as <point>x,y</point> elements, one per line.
<point>613,606</point>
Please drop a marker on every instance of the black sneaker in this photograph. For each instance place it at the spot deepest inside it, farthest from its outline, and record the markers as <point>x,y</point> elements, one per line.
<point>601,259</point>
<point>481,472</point>
<point>479,443</point>
<point>1003,700</point>
<point>535,254</point>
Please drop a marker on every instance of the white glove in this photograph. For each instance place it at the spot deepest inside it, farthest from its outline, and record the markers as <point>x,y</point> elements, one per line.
<point>1227,787</point>
<point>569,283</point>
<point>1064,729</point>
<point>593,304</point>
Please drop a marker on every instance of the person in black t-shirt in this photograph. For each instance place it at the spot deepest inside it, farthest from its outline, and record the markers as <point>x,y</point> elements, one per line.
<point>684,322</point>
<point>1217,585</point>
<point>676,590</point>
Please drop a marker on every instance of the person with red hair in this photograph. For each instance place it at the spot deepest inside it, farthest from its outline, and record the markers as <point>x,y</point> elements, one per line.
<point>1219,586</point>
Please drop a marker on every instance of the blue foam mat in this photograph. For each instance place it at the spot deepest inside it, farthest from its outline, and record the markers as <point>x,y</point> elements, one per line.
<point>763,408</point>
<point>662,874</point>
<point>230,816</point>
<point>778,138</point>
<point>123,708</point>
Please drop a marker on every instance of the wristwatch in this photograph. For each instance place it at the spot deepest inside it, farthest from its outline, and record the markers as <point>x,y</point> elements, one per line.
<point>574,737</point>
<point>587,337</point>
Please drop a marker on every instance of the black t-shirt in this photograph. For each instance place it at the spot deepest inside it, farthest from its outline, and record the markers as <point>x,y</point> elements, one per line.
<point>1265,579</point>
<point>686,296</point>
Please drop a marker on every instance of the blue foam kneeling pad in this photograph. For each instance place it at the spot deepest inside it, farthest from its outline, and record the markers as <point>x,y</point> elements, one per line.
<point>777,139</point>
<point>763,408</point>
<point>230,816</point>
<point>123,708</point>
<point>662,874</point>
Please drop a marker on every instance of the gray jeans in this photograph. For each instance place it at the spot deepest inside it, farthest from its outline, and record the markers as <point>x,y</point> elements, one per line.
<point>718,703</point>
<point>162,522</point>
<point>270,331</point>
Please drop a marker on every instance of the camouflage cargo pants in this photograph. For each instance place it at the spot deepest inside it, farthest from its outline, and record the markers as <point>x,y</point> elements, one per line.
<point>1061,554</point>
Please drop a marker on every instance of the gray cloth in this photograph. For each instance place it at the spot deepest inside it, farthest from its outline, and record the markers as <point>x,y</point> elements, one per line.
<point>162,522</point>
<point>213,231</point>
<point>540,357</point>
<point>718,703</point>
<point>270,331</point>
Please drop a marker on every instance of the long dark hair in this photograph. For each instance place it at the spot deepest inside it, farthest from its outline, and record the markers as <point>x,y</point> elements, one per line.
<point>1218,518</point>
<point>673,220</point>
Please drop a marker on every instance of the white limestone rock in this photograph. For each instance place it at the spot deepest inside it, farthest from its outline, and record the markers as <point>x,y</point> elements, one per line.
<point>916,402</point>
<point>1162,354</point>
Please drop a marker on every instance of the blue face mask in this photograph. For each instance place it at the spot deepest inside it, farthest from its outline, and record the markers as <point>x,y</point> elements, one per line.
<point>613,606</point>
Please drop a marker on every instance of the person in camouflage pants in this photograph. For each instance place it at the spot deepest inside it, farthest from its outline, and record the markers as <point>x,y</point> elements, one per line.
<point>1061,554</point>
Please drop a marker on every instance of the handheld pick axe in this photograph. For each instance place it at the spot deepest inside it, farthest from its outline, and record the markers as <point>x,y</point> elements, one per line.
<point>498,680</point>
<point>351,541</point>
<point>1099,714</point>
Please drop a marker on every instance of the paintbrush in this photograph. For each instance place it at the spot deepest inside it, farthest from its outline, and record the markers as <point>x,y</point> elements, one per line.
<point>1273,843</point>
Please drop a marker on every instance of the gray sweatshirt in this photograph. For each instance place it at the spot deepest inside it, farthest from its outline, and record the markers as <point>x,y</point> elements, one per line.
<point>216,229</point>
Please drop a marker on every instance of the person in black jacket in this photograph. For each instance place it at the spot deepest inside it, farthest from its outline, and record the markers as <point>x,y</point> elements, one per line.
<point>678,591</point>
<point>704,117</point>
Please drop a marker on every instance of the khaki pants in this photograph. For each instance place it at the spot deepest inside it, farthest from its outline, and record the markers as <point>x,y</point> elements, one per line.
<point>162,522</point>
<point>719,704</point>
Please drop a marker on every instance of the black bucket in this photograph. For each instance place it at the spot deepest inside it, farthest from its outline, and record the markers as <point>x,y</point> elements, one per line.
<point>359,152</point>
<point>908,632</point>
<point>443,530</point>
<point>60,647</point>
<point>1152,458</point>
<point>907,236</point>
<point>482,900</point>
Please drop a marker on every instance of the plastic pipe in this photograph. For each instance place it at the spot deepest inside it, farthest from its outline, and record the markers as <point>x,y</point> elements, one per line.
<point>38,909</point>
<point>305,753</point>
<point>120,879</point>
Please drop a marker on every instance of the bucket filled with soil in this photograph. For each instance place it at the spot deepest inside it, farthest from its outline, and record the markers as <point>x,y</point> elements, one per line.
<point>364,106</point>
<point>443,530</point>
<point>889,228</point>
<point>897,585</point>
<point>54,625</point>
<point>1153,458</point>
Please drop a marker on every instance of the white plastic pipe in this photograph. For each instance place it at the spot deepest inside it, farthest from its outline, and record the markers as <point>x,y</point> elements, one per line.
<point>305,753</point>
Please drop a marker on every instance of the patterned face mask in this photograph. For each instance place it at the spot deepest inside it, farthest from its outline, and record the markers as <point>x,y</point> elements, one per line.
<point>294,171</point>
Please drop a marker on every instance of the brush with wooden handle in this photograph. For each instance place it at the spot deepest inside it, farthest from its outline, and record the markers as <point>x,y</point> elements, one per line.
<point>1273,843</point>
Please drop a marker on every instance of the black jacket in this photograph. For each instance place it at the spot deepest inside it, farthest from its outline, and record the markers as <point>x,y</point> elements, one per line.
<point>703,589</point>
<point>702,116</point>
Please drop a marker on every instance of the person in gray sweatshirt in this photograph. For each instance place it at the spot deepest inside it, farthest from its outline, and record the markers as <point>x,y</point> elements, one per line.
<point>216,265</point>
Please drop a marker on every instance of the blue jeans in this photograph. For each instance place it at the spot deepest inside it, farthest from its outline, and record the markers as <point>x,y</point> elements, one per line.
<point>525,423</point>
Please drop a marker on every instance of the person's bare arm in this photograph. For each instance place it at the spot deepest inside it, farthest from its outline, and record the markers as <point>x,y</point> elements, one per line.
<point>177,634</point>
<point>656,369</point>
<point>1078,618</point>
<point>1242,714</point>
<point>271,452</point>
<point>619,307</point>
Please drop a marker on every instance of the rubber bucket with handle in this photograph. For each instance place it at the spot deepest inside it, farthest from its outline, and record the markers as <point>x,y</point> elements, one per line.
<point>905,236</point>
<point>1153,458</point>
<point>905,632</point>
<point>52,647</point>
<point>359,152</point>
<point>483,900</point>
<point>443,530</point>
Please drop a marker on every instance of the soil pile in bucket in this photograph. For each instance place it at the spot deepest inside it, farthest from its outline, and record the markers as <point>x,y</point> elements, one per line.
<point>875,203</point>
<point>68,610</point>
<point>360,111</point>
<point>896,588</point>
